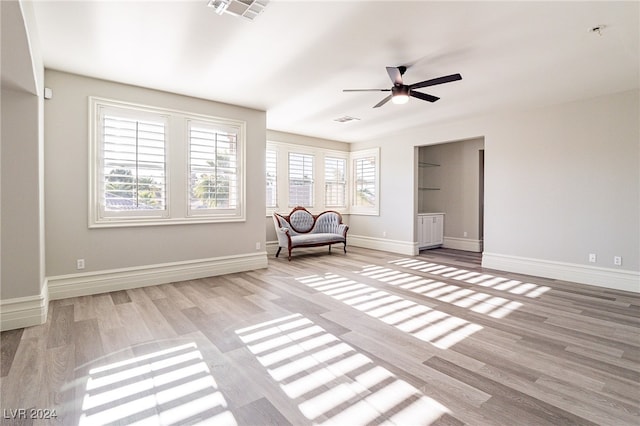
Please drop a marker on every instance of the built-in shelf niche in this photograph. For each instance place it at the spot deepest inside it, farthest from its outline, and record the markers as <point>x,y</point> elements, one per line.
<point>423,184</point>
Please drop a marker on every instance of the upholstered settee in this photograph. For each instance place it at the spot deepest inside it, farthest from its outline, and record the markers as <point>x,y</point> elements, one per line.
<point>300,228</point>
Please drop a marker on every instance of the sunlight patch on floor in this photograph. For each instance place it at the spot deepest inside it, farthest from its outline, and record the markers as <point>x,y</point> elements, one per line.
<point>418,320</point>
<point>170,386</point>
<point>486,304</point>
<point>477,278</point>
<point>334,383</point>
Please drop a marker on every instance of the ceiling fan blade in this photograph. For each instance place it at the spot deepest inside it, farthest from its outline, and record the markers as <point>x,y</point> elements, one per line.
<point>384,101</point>
<point>434,81</point>
<point>423,96</point>
<point>395,75</point>
<point>366,90</point>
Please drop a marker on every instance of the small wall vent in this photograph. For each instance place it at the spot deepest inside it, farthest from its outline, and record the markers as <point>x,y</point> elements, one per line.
<point>345,119</point>
<point>248,9</point>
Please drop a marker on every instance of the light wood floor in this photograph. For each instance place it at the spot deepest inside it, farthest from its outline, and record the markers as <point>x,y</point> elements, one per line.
<point>363,338</point>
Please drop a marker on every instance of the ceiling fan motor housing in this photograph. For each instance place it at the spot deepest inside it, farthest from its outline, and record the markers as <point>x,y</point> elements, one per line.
<point>400,90</point>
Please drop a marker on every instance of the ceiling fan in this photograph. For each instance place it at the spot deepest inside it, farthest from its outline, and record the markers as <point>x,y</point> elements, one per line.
<point>400,92</point>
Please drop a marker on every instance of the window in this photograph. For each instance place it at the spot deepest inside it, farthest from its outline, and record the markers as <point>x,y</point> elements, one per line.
<point>213,169</point>
<point>300,180</point>
<point>335,182</point>
<point>131,164</point>
<point>310,176</point>
<point>271,178</point>
<point>365,182</point>
<point>133,180</point>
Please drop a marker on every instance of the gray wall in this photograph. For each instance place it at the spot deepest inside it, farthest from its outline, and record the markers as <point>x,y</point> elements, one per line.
<point>560,181</point>
<point>67,235</point>
<point>21,154</point>
<point>21,196</point>
<point>564,181</point>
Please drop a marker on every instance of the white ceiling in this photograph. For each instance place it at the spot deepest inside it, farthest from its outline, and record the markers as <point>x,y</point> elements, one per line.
<point>294,60</point>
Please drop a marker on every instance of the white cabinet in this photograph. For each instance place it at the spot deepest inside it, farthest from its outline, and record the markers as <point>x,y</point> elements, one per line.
<point>430,230</point>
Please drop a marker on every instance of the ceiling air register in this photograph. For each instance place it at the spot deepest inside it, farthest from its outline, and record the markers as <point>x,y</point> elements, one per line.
<point>248,9</point>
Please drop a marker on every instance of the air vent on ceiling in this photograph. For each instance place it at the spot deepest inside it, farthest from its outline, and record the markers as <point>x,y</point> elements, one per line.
<point>248,9</point>
<point>345,119</point>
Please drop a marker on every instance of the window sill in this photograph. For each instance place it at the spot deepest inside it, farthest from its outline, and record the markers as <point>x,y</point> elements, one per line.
<point>163,222</point>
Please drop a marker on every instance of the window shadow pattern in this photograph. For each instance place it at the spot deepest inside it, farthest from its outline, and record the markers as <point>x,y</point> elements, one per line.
<point>168,387</point>
<point>464,297</point>
<point>482,279</point>
<point>430,325</point>
<point>331,381</point>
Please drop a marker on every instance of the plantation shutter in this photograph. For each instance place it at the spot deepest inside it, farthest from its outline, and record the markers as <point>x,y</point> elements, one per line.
<point>213,168</point>
<point>271,178</point>
<point>133,169</point>
<point>300,180</point>
<point>365,181</point>
<point>335,182</point>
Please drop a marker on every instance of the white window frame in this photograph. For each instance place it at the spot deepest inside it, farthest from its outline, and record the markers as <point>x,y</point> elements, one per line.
<point>282,155</point>
<point>313,159</point>
<point>344,183</point>
<point>98,213</point>
<point>273,208</point>
<point>177,208</point>
<point>360,155</point>
<point>216,212</point>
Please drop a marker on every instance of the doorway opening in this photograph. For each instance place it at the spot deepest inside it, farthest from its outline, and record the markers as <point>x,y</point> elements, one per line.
<point>450,195</point>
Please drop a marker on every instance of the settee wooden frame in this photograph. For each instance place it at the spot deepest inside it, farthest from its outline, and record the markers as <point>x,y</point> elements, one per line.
<point>342,228</point>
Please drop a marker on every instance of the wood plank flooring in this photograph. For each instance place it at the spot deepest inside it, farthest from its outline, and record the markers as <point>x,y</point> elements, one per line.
<point>363,338</point>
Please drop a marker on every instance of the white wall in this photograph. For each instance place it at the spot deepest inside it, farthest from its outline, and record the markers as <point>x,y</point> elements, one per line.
<point>68,237</point>
<point>275,136</point>
<point>560,182</point>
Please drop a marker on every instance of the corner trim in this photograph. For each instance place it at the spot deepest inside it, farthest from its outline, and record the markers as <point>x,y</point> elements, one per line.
<point>601,277</point>
<point>407,248</point>
<point>73,285</point>
<point>21,312</point>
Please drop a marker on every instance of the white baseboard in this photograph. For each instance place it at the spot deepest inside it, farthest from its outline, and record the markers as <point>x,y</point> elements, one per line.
<point>463,244</point>
<point>407,248</point>
<point>23,312</point>
<point>73,285</point>
<point>601,277</point>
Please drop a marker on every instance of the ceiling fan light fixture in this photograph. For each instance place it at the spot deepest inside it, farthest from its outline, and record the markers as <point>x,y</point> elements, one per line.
<point>400,99</point>
<point>400,95</point>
